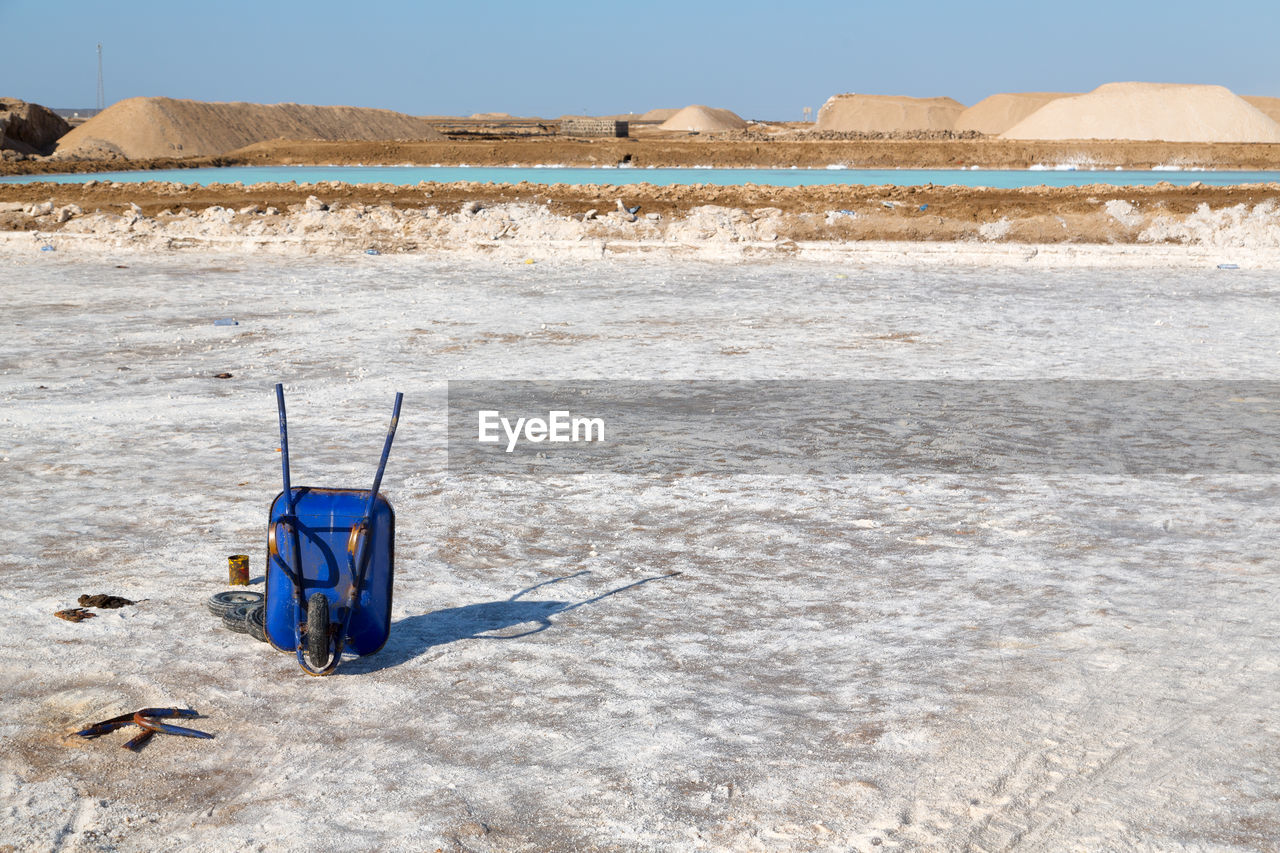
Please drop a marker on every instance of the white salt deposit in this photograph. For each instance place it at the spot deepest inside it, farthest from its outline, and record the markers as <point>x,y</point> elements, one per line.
<point>891,660</point>
<point>1239,225</point>
<point>522,230</point>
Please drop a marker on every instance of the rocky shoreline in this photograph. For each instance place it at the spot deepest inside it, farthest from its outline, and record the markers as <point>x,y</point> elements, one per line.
<point>532,233</point>
<point>526,218</point>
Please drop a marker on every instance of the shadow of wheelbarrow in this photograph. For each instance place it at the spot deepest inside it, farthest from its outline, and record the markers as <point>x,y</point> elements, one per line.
<point>511,619</point>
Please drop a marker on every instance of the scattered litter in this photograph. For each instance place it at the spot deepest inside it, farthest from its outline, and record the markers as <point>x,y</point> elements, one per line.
<point>102,728</point>
<point>256,622</point>
<point>152,726</point>
<point>138,741</point>
<point>234,619</point>
<point>225,321</point>
<point>75,614</point>
<point>372,252</point>
<point>220,602</point>
<point>242,612</point>
<point>106,602</point>
<point>530,261</point>
<point>222,376</point>
<point>46,248</point>
<point>887,204</point>
<point>238,570</point>
<point>1228,266</point>
<point>924,207</point>
<point>148,720</point>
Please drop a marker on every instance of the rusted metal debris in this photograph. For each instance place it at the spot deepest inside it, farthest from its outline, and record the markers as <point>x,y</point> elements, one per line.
<point>99,729</point>
<point>148,720</point>
<point>109,602</point>
<point>75,614</point>
<point>79,614</point>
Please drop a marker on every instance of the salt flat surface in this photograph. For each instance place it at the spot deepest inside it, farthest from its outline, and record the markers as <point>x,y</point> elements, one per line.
<point>1049,661</point>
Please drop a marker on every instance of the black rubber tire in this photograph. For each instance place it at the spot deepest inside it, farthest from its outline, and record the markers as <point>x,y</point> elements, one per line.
<point>318,630</point>
<point>256,621</point>
<point>235,618</point>
<point>220,602</point>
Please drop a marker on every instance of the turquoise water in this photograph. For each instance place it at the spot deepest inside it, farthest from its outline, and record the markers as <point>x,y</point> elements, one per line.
<point>407,175</point>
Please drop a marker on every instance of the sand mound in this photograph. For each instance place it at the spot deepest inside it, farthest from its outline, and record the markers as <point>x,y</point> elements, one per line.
<point>165,127</point>
<point>702,119</point>
<point>887,113</point>
<point>1170,112</point>
<point>998,113</point>
<point>1268,106</point>
<point>658,114</point>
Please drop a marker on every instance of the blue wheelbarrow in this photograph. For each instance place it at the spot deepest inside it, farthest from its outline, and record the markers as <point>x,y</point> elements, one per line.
<point>330,565</point>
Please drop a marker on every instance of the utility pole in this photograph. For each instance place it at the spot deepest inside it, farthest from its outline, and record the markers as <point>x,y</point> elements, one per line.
<point>102,100</point>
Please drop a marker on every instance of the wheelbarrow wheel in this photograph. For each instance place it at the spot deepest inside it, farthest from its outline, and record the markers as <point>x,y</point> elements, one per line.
<point>255,621</point>
<point>318,630</point>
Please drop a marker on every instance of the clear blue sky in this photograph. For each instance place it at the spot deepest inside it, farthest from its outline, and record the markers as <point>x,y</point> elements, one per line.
<point>762,59</point>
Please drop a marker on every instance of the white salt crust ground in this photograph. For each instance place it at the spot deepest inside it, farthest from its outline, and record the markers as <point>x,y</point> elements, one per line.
<point>1051,661</point>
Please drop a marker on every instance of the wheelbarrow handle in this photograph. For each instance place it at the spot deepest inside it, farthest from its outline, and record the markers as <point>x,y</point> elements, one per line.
<point>353,540</point>
<point>273,546</point>
<point>284,446</point>
<point>273,542</point>
<point>290,506</point>
<point>386,452</point>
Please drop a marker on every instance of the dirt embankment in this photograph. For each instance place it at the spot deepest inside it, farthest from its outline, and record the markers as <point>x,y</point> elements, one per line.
<point>887,154</point>
<point>29,129</point>
<point>973,203</point>
<point>886,113</point>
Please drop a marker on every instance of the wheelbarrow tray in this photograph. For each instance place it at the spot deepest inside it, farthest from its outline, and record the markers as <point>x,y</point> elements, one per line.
<point>325,518</point>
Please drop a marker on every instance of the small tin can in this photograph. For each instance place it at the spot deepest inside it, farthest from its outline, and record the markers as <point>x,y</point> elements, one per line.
<point>238,569</point>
